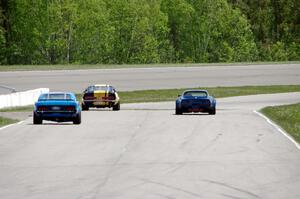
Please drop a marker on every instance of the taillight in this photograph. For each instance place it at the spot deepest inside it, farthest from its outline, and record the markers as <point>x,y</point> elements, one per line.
<point>108,98</point>
<point>70,108</point>
<point>89,97</point>
<point>42,108</point>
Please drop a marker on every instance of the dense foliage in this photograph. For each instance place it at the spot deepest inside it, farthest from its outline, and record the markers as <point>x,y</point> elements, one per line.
<point>148,31</point>
<point>275,25</point>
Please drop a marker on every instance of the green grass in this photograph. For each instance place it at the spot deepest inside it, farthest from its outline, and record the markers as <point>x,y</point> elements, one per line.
<point>218,92</point>
<point>6,121</point>
<point>112,66</point>
<point>18,109</point>
<point>287,117</point>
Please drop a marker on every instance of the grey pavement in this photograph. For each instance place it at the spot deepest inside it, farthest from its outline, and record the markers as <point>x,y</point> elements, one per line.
<point>145,151</point>
<point>154,78</point>
<point>16,115</point>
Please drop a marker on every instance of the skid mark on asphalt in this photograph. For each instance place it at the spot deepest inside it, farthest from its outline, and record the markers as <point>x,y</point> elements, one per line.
<point>242,149</point>
<point>164,196</point>
<point>109,173</point>
<point>176,168</point>
<point>232,187</point>
<point>212,142</point>
<point>195,132</point>
<point>229,196</point>
<point>259,136</point>
<point>171,187</point>
<point>189,137</point>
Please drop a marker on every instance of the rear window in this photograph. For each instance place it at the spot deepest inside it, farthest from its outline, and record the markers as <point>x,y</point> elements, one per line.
<point>96,88</point>
<point>195,94</point>
<point>56,96</point>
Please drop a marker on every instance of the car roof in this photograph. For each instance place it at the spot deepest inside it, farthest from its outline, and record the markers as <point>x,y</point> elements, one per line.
<point>101,85</point>
<point>53,93</point>
<point>59,93</point>
<point>195,91</point>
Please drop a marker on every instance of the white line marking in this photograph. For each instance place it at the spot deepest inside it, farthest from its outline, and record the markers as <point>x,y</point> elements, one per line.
<point>21,122</point>
<point>283,132</point>
<point>4,127</point>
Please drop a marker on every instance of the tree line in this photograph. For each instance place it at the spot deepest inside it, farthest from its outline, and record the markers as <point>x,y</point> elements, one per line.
<point>148,31</point>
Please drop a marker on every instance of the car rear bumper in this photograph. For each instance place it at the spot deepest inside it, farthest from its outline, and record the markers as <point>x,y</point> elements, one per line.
<point>95,101</point>
<point>195,109</point>
<point>57,116</point>
<point>100,103</point>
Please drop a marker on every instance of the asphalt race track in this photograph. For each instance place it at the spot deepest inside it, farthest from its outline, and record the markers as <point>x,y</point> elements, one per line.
<point>145,151</point>
<point>154,78</point>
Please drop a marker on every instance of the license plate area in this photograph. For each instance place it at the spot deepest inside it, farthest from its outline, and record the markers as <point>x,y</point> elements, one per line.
<point>56,108</point>
<point>195,110</point>
<point>98,103</point>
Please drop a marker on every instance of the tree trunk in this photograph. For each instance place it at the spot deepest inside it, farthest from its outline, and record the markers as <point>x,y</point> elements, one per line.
<point>69,43</point>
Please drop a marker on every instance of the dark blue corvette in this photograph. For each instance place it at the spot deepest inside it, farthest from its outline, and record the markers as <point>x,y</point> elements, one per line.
<point>59,107</point>
<point>194,101</point>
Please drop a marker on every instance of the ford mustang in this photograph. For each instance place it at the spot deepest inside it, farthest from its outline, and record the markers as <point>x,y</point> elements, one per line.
<point>57,106</point>
<point>194,101</point>
<point>100,96</point>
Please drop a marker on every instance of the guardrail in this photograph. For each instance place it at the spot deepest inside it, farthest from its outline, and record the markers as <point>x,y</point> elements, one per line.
<point>21,98</point>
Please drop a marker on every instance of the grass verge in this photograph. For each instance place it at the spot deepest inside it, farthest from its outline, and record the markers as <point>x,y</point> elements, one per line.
<point>218,92</point>
<point>287,117</point>
<point>115,66</point>
<point>6,121</point>
<point>18,109</point>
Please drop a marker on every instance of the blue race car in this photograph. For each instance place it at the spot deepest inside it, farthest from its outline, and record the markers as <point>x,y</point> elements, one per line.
<point>59,107</point>
<point>194,101</point>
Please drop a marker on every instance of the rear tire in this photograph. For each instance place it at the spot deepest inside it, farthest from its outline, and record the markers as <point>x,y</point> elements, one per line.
<point>212,111</point>
<point>77,120</point>
<point>37,119</point>
<point>84,107</point>
<point>178,111</point>
<point>116,107</point>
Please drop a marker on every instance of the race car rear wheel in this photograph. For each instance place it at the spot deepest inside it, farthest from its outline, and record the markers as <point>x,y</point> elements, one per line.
<point>84,107</point>
<point>77,120</point>
<point>116,107</point>
<point>212,111</point>
<point>37,119</point>
<point>178,111</point>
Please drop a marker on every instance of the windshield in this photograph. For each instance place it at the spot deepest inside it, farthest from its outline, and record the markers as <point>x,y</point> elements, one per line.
<point>56,96</point>
<point>195,94</point>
